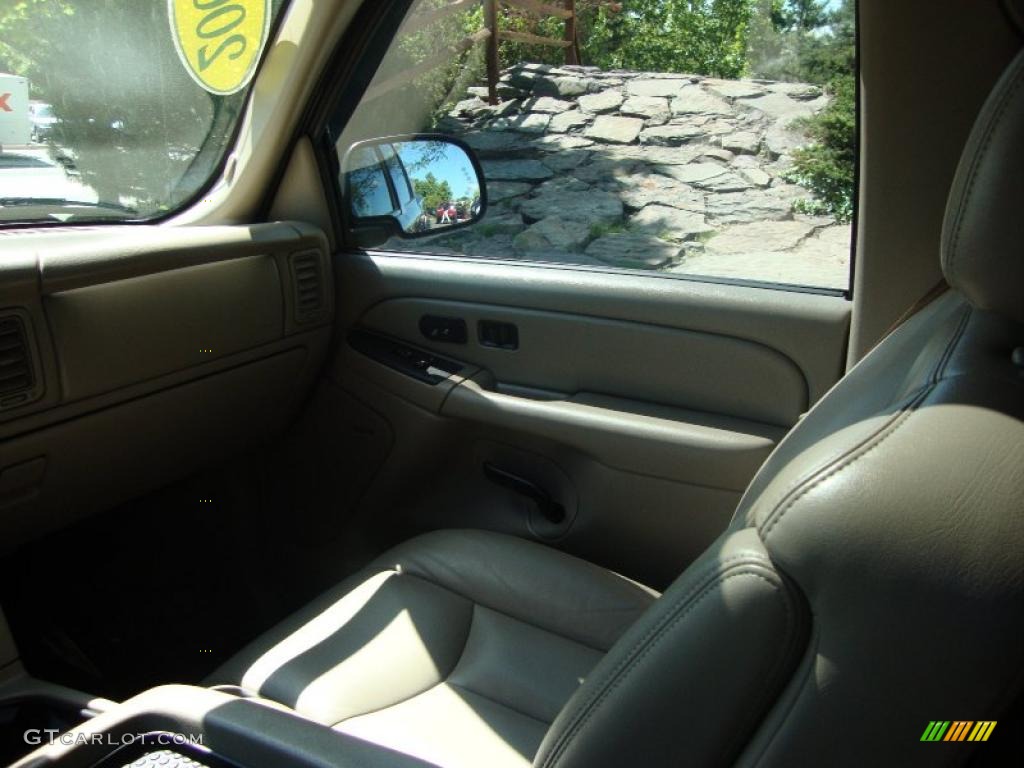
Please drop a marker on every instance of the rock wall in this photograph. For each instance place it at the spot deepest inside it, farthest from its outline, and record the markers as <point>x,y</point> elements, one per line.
<point>668,172</point>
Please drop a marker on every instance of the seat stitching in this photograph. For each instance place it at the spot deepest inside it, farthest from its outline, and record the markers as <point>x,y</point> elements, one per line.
<point>812,650</point>
<point>870,442</point>
<point>465,644</point>
<point>783,590</point>
<point>681,608</point>
<point>632,662</point>
<point>392,704</point>
<point>493,700</point>
<point>701,580</point>
<point>851,458</point>
<point>518,619</point>
<point>954,342</point>
<point>447,681</point>
<point>990,130</point>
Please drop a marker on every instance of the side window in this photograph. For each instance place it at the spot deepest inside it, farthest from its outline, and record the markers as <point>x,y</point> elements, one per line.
<point>368,185</point>
<point>702,139</point>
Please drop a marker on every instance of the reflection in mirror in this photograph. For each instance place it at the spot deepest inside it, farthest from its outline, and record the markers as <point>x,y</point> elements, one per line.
<point>425,184</point>
<point>444,181</point>
<point>367,186</point>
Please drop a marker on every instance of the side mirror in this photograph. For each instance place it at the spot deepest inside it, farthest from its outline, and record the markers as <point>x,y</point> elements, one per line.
<point>411,186</point>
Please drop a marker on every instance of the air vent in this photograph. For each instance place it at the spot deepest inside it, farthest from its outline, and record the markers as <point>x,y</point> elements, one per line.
<point>16,370</point>
<point>307,278</point>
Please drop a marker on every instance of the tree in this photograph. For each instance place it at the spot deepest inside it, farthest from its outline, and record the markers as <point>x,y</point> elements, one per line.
<point>432,191</point>
<point>697,36</point>
<point>23,29</point>
<point>694,36</point>
<point>827,165</point>
<point>707,37</point>
<point>784,38</point>
<point>804,15</point>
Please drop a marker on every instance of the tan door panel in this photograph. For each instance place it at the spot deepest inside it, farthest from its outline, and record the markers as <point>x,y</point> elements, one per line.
<point>113,334</point>
<point>151,352</point>
<point>641,406</point>
<point>679,367</point>
<point>686,446</point>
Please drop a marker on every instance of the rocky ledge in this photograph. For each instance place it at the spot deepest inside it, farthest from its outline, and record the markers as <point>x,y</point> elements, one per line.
<point>668,172</point>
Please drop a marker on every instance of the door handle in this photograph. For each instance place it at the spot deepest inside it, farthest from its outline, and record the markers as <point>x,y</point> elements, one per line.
<point>550,509</point>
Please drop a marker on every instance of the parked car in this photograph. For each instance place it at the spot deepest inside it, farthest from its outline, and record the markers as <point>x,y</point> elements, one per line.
<point>43,120</point>
<point>378,181</point>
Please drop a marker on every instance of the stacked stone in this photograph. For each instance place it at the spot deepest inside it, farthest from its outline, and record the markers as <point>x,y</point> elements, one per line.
<point>646,170</point>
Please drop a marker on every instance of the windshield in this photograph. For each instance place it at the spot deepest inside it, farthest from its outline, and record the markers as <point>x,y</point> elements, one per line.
<point>120,109</point>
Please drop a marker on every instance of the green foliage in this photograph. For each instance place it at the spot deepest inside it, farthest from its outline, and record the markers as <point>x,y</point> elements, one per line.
<point>602,228</point>
<point>787,40</point>
<point>695,36</point>
<point>133,120</point>
<point>440,87</point>
<point>432,191</point>
<point>26,25</point>
<point>707,37</point>
<point>804,15</point>
<point>826,166</point>
<point>704,37</point>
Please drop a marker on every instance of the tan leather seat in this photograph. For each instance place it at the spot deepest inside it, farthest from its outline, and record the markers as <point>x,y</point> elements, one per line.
<point>459,647</point>
<point>871,581</point>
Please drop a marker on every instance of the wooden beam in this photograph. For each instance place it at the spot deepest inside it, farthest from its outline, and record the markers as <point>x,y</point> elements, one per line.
<point>572,53</point>
<point>492,57</point>
<point>540,9</point>
<point>435,61</point>
<point>524,37</point>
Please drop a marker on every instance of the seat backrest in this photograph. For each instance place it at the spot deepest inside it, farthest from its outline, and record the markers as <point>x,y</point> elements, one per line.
<point>872,579</point>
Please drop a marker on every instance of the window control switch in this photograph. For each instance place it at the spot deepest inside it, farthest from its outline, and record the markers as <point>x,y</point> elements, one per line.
<point>424,366</point>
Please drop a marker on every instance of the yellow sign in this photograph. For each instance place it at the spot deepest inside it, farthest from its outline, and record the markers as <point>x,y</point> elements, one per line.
<point>220,41</point>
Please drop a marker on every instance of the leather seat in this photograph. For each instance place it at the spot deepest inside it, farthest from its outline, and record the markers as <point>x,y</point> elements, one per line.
<point>458,647</point>
<point>871,581</point>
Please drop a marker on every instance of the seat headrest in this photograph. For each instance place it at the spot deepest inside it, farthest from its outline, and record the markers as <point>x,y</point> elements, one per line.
<point>983,232</point>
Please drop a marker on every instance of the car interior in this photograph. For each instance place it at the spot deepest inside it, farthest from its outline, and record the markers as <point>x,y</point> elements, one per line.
<point>273,493</point>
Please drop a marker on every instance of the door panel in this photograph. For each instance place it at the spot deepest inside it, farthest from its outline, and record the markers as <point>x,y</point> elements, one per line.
<point>148,353</point>
<point>689,446</point>
<point>642,406</point>
<point>808,328</point>
<point>113,334</point>
<point>644,362</point>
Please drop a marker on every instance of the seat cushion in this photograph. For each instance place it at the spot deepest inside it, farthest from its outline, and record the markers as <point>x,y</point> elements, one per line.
<point>457,647</point>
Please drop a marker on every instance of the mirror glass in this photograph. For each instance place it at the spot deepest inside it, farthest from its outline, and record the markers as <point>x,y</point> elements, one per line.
<point>425,184</point>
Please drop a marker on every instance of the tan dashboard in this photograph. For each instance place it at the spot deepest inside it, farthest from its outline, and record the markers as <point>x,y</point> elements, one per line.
<point>131,356</point>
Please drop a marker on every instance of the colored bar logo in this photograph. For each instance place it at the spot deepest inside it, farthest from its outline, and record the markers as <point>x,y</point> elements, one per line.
<point>958,730</point>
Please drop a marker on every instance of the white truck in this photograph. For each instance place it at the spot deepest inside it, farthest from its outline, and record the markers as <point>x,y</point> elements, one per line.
<point>15,123</point>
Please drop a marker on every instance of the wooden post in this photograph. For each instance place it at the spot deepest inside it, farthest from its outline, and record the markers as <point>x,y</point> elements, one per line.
<point>493,65</point>
<point>572,53</point>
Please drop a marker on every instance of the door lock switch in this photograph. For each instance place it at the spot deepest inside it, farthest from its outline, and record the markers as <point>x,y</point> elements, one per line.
<point>451,330</point>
